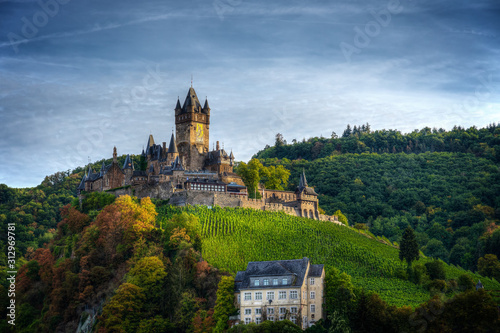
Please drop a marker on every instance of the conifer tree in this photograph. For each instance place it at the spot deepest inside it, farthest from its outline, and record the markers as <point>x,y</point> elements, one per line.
<point>408,248</point>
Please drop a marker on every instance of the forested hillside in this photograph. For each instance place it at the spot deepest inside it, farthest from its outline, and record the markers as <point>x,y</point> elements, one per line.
<point>129,265</point>
<point>446,185</point>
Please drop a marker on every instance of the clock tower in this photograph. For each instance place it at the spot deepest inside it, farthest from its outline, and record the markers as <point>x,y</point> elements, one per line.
<point>192,127</point>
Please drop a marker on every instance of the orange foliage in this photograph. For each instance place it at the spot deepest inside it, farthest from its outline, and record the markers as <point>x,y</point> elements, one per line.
<point>75,220</point>
<point>179,235</point>
<point>203,321</point>
<point>46,262</point>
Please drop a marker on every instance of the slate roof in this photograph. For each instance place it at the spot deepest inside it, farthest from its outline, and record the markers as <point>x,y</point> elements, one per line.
<point>296,268</point>
<point>303,187</point>
<point>191,100</point>
<point>128,163</point>
<point>138,173</point>
<point>172,148</point>
<point>82,183</point>
<point>315,270</point>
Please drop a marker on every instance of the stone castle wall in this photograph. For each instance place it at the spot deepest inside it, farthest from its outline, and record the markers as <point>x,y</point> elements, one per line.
<point>187,197</point>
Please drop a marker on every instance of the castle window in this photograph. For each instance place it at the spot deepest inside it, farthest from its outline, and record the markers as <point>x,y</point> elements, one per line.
<point>266,282</point>
<point>313,308</point>
<point>270,311</point>
<point>313,295</point>
<point>258,311</point>
<point>293,309</point>
<point>293,294</point>
<point>248,311</point>
<point>285,281</point>
<point>282,310</point>
<point>248,320</point>
<point>270,295</point>
<point>282,295</point>
<point>275,282</point>
<point>256,283</point>
<point>258,296</point>
<point>248,296</point>
<point>312,282</point>
<point>258,320</point>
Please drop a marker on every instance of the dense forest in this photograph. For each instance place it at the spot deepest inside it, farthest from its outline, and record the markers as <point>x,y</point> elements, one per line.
<point>445,185</point>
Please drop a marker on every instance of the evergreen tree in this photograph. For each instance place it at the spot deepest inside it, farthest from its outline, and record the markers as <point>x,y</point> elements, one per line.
<point>408,248</point>
<point>347,132</point>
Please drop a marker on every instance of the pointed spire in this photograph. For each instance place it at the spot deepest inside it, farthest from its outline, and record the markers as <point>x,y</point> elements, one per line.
<point>172,148</point>
<point>191,100</point>
<point>206,107</point>
<point>103,169</point>
<point>90,172</point>
<point>151,141</point>
<point>128,163</point>
<point>178,106</point>
<point>304,180</point>
<point>81,187</point>
<point>231,156</point>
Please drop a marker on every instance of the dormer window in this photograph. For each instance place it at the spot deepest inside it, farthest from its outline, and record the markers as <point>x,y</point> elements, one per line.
<point>285,281</point>
<point>256,283</point>
<point>266,282</point>
<point>275,282</point>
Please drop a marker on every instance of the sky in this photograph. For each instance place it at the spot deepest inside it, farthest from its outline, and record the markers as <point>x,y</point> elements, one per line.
<point>78,77</point>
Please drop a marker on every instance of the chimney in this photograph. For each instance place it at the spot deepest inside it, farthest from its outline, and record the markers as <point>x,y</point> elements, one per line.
<point>115,156</point>
<point>218,148</point>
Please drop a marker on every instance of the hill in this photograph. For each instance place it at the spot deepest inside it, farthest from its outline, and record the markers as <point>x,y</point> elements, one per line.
<point>124,265</point>
<point>233,237</point>
<point>446,185</point>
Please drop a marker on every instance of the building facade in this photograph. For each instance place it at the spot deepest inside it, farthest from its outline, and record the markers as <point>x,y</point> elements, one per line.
<point>279,290</point>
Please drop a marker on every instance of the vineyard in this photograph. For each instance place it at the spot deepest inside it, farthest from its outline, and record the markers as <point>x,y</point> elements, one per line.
<point>231,237</point>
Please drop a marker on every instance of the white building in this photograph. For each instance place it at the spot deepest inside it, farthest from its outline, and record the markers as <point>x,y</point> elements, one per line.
<point>278,290</point>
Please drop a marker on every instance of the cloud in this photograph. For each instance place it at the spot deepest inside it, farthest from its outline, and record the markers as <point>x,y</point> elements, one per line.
<point>100,76</point>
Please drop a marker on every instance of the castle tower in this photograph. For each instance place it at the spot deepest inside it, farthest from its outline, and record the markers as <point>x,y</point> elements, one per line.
<point>128,169</point>
<point>172,152</point>
<point>192,122</point>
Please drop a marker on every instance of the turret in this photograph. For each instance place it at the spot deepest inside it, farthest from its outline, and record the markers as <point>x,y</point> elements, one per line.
<point>128,163</point>
<point>206,108</point>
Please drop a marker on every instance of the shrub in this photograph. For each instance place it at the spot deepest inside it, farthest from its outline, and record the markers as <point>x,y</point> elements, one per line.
<point>435,269</point>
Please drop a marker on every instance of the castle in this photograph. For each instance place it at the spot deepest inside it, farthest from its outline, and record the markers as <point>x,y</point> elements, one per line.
<point>187,172</point>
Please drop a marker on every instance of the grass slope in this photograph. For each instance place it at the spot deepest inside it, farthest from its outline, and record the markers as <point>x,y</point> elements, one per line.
<point>233,237</point>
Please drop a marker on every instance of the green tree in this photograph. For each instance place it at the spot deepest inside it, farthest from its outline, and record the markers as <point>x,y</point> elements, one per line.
<point>489,266</point>
<point>149,274</point>
<point>408,247</point>
<point>123,312</point>
<point>342,217</point>
<point>339,293</point>
<point>435,249</point>
<point>224,305</point>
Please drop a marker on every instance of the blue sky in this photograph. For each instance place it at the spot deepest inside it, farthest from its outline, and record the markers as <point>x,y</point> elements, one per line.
<point>78,77</point>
